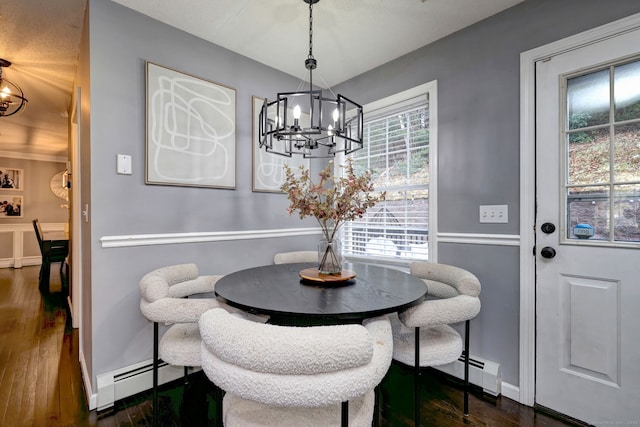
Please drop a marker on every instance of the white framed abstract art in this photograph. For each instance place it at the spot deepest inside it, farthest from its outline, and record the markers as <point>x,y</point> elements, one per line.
<point>268,168</point>
<point>191,130</point>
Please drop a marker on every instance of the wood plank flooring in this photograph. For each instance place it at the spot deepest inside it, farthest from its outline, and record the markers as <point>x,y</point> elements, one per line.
<point>41,385</point>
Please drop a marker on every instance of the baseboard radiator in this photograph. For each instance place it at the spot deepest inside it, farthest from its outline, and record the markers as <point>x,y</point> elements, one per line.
<point>483,373</point>
<point>134,379</point>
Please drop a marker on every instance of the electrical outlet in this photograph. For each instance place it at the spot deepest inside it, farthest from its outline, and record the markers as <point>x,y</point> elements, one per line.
<point>494,213</point>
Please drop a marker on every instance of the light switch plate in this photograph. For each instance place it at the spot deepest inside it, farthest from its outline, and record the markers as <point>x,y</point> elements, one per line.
<point>494,213</point>
<point>124,164</point>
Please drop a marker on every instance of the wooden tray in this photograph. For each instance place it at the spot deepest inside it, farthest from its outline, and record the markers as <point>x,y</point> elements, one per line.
<point>314,275</point>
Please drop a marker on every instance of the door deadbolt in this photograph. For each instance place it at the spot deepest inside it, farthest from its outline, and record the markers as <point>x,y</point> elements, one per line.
<point>548,228</point>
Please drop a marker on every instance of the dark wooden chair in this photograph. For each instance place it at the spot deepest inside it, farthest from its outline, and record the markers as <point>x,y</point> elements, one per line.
<point>51,251</point>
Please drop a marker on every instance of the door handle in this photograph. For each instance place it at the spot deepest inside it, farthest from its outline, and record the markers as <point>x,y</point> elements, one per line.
<point>548,252</point>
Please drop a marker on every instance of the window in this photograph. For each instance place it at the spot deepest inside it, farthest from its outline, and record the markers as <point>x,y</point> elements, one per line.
<point>602,148</point>
<point>398,140</point>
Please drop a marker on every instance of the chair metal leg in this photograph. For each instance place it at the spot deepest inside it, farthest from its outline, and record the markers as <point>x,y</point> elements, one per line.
<point>416,378</point>
<point>219,394</point>
<point>155,374</point>
<point>376,406</point>
<point>345,414</point>
<point>466,367</point>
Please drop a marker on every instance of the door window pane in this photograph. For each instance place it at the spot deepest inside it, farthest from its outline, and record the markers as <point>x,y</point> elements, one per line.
<point>626,213</point>
<point>626,149</point>
<point>588,100</point>
<point>589,157</point>
<point>588,209</point>
<point>627,91</point>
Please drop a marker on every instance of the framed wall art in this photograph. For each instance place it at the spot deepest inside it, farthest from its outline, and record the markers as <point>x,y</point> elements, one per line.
<point>268,168</point>
<point>11,206</point>
<point>191,130</point>
<point>10,178</point>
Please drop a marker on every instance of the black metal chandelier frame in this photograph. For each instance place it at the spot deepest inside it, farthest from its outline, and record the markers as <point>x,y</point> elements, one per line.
<point>306,122</point>
<point>12,100</point>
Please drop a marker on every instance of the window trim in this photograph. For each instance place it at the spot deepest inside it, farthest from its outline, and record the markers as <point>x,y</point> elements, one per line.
<point>430,91</point>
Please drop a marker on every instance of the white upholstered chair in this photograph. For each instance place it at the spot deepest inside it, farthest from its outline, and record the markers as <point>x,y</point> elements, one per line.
<point>164,299</point>
<point>422,335</point>
<point>295,376</point>
<point>296,256</point>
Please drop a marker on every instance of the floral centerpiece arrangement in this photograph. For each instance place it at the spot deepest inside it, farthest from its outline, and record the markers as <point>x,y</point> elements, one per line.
<point>331,201</point>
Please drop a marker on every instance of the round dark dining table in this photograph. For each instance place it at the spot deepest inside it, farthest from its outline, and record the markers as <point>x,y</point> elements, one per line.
<point>279,292</point>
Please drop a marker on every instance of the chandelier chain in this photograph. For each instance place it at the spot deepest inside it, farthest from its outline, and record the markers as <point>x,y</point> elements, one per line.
<point>310,29</point>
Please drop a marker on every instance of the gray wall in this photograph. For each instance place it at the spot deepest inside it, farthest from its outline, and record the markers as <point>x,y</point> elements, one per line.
<point>478,74</point>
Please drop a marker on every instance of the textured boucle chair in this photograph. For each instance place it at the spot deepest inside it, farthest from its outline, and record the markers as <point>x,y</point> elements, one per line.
<point>421,334</point>
<point>163,295</point>
<point>295,376</point>
<point>296,256</point>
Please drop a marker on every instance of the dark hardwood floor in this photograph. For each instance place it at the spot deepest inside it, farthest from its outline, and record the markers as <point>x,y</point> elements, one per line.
<point>41,385</point>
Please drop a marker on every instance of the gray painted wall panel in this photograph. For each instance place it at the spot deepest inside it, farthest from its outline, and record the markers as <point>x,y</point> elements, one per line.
<point>494,332</point>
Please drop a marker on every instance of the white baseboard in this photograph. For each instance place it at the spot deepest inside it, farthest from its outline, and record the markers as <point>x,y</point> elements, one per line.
<point>511,391</point>
<point>21,262</point>
<point>91,398</point>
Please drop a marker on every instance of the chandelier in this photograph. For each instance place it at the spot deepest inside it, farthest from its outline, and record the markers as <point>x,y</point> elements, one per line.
<point>12,98</point>
<point>307,123</point>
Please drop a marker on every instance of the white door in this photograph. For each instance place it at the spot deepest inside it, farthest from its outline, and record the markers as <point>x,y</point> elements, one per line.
<point>588,268</point>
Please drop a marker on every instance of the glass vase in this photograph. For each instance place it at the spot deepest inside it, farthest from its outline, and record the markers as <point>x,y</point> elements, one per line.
<point>329,257</point>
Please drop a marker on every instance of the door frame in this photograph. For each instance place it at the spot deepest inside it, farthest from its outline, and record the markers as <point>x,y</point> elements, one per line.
<point>528,61</point>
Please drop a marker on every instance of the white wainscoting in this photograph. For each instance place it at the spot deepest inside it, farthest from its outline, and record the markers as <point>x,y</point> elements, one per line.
<point>20,232</point>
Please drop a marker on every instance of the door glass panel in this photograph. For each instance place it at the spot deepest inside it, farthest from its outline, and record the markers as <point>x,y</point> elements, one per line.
<point>588,209</point>
<point>602,171</point>
<point>627,91</point>
<point>589,157</point>
<point>588,100</point>
<point>626,148</point>
<point>626,213</point>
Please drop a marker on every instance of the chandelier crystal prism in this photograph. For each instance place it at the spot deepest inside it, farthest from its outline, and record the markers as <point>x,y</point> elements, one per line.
<point>12,99</point>
<point>306,122</point>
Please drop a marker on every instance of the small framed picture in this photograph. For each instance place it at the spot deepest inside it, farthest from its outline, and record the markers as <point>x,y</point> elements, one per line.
<point>11,206</point>
<point>10,178</point>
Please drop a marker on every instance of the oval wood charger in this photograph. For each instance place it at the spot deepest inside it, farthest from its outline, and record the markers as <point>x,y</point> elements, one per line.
<point>314,275</point>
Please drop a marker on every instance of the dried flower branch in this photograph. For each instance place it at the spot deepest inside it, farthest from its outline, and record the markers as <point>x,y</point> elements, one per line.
<point>333,200</point>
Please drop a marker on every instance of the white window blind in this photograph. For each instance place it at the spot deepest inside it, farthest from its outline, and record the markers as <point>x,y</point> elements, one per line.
<point>396,150</point>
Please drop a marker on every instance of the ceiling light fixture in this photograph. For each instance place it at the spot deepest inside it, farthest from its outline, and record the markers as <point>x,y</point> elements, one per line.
<point>307,123</point>
<point>12,98</point>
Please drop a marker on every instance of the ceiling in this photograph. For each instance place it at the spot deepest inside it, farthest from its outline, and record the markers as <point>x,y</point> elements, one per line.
<point>41,39</point>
